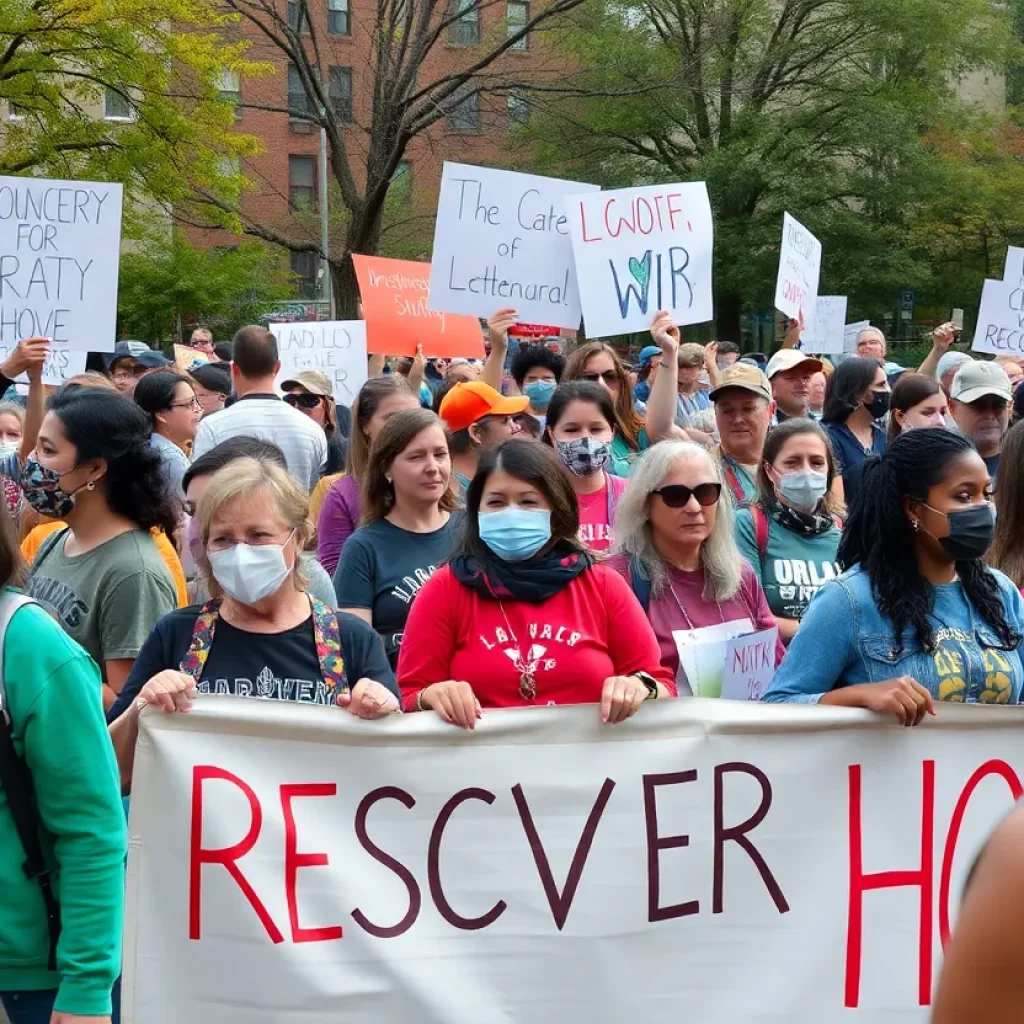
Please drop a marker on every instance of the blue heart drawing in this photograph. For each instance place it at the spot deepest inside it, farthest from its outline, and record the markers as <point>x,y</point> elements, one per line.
<point>640,270</point>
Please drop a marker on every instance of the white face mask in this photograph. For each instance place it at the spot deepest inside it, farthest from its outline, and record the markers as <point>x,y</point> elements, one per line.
<point>250,572</point>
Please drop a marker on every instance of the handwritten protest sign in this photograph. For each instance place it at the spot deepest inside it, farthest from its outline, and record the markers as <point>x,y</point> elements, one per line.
<point>1014,269</point>
<point>336,348</point>
<point>398,316</point>
<point>502,240</point>
<point>186,358</point>
<point>796,290</point>
<point>59,250</point>
<point>1000,327</point>
<point>749,664</point>
<point>827,332</point>
<point>702,656</point>
<point>851,332</point>
<point>639,250</point>
<point>60,364</point>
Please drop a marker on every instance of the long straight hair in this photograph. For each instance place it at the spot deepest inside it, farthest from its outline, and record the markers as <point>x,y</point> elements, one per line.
<point>720,558</point>
<point>773,445</point>
<point>1007,551</point>
<point>628,421</point>
<point>910,390</point>
<point>369,399</point>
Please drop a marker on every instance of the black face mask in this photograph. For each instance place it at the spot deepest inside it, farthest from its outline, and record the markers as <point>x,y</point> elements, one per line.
<point>879,404</point>
<point>970,531</point>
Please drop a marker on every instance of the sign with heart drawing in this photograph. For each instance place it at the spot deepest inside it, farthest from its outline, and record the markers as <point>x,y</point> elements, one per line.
<point>638,250</point>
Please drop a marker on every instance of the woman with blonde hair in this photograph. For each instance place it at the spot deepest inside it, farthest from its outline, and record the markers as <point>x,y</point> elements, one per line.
<point>261,634</point>
<point>674,526</point>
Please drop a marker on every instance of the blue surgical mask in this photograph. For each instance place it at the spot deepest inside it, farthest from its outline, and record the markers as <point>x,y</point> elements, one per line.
<point>539,392</point>
<point>802,490</point>
<point>515,534</point>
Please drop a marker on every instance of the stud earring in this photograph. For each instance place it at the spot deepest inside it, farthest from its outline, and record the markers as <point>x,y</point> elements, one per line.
<point>91,486</point>
<point>915,525</point>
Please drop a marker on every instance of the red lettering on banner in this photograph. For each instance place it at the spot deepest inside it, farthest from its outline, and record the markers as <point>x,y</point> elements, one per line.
<point>861,883</point>
<point>583,226</point>
<point>561,902</point>
<point>656,843</point>
<point>406,876</point>
<point>1004,771</point>
<point>293,860</point>
<point>226,857</point>
<point>738,834</point>
<point>444,908</point>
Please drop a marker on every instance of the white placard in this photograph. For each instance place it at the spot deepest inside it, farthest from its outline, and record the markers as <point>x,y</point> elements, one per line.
<point>702,656</point>
<point>60,245</point>
<point>750,664</point>
<point>60,364</point>
<point>796,290</point>
<point>1014,269</point>
<point>290,864</point>
<point>334,347</point>
<point>851,332</point>
<point>639,250</point>
<point>1000,327</point>
<point>827,333</point>
<point>501,240</point>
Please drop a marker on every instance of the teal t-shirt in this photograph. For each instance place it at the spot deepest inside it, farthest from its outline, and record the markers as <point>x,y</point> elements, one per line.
<point>793,567</point>
<point>623,457</point>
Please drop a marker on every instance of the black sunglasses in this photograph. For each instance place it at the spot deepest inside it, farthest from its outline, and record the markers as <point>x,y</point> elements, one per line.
<point>677,495</point>
<point>609,377</point>
<point>303,401</point>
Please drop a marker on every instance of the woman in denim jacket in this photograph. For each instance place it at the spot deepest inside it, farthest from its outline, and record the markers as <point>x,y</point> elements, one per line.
<point>917,617</point>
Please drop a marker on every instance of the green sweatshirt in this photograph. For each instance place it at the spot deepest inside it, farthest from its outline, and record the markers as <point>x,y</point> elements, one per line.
<point>56,706</point>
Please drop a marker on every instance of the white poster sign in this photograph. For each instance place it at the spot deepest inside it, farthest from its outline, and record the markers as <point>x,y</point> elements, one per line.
<point>1000,327</point>
<point>60,247</point>
<point>639,250</point>
<point>334,347</point>
<point>851,332</point>
<point>702,656</point>
<point>1014,269</point>
<point>501,240</point>
<point>289,863</point>
<point>827,333</point>
<point>61,364</point>
<point>796,290</point>
<point>750,664</point>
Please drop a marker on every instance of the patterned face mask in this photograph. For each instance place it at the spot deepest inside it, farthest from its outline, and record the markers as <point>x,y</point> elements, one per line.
<point>42,490</point>
<point>584,455</point>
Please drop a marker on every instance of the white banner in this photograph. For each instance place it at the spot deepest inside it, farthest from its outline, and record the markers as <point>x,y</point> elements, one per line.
<point>1014,267</point>
<point>852,332</point>
<point>707,861</point>
<point>642,249</point>
<point>1000,327</point>
<point>334,347</point>
<point>60,244</point>
<point>827,333</point>
<point>796,290</point>
<point>501,239</point>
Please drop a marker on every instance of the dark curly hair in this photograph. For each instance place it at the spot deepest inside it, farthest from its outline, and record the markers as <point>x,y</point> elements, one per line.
<point>530,355</point>
<point>103,424</point>
<point>878,537</point>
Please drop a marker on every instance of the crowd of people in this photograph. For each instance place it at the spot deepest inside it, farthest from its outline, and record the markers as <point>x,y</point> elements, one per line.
<point>540,528</point>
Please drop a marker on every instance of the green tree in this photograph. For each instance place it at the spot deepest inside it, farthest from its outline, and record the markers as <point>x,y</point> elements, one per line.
<point>170,280</point>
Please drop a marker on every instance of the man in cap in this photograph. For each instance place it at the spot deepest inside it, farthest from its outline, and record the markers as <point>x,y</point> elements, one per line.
<point>650,360</point>
<point>979,402</point>
<point>132,360</point>
<point>743,412</point>
<point>790,373</point>
<point>311,393</point>
<point>478,417</point>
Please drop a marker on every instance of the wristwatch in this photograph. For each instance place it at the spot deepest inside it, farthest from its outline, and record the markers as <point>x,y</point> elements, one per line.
<point>650,682</point>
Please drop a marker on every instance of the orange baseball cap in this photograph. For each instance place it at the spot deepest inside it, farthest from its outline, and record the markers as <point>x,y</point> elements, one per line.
<point>471,401</point>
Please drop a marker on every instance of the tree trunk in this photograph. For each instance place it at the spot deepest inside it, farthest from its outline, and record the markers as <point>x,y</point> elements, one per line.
<point>346,289</point>
<point>729,308</point>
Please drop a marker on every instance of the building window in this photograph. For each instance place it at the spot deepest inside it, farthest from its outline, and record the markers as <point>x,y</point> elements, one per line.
<point>464,117</point>
<point>116,106</point>
<point>337,18</point>
<point>517,14</point>
<point>518,111</point>
<point>301,182</point>
<point>341,93</point>
<point>465,30</point>
<point>305,266</point>
<point>229,87</point>
<point>298,10</point>
<point>298,101</point>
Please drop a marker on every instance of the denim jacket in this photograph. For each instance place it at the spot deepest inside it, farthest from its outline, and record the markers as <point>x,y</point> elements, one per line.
<point>843,640</point>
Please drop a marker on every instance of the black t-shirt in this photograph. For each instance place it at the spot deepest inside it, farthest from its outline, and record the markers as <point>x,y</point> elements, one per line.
<point>281,666</point>
<point>992,464</point>
<point>383,567</point>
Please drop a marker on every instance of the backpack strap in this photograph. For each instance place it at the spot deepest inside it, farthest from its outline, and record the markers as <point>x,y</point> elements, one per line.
<point>760,530</point>
<point>640,583</point>
<point>16,780</point>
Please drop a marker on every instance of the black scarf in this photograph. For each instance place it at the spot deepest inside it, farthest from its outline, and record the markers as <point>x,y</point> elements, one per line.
<point>533,581</point>
<point>801,523</point>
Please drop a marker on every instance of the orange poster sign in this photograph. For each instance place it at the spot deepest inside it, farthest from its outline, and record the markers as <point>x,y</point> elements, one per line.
<point>394,296</point>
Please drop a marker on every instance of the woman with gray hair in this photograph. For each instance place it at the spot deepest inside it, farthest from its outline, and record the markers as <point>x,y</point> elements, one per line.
<point>674,528</point>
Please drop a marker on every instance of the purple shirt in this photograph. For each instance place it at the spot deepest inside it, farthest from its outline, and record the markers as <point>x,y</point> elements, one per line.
<point>339,519</point>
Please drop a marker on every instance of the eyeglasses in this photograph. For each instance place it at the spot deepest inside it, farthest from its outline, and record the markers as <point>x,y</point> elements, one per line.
<point>610,377</point>
<point>678,495</point>
<point>193,403</point>
<point>300,401</point>
<point>128,373</point>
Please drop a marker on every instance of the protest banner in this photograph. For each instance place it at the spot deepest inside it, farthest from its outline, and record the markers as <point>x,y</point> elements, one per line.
<point>796,290</point>
<point>1000,328</point>
<point>749,664</point>
<point>291,863</point>
<point>334,347</point>
<point>398,316</point>
<point>534,331</point>
<point>639,250</point>
<point>60,245</point>
<point>851,332</point>
<point>501,239</point>
<point>1014,268</point>
<point>827,333</point>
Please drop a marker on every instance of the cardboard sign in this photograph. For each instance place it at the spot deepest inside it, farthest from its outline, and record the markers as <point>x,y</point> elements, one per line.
<point>336,348</point>
<point>501,240</point>
<point>639,250</point>
<point>796,290</point>
<point>398,315</point>
<point>186,358</point>
<point>60,247</point>
<point>1000,328</point>
<point>827,333</point>
<point>851,332</point>
<point>749,664</point>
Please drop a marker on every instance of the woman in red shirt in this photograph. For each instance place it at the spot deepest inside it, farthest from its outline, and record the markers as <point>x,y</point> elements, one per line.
<point>522,616</point>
